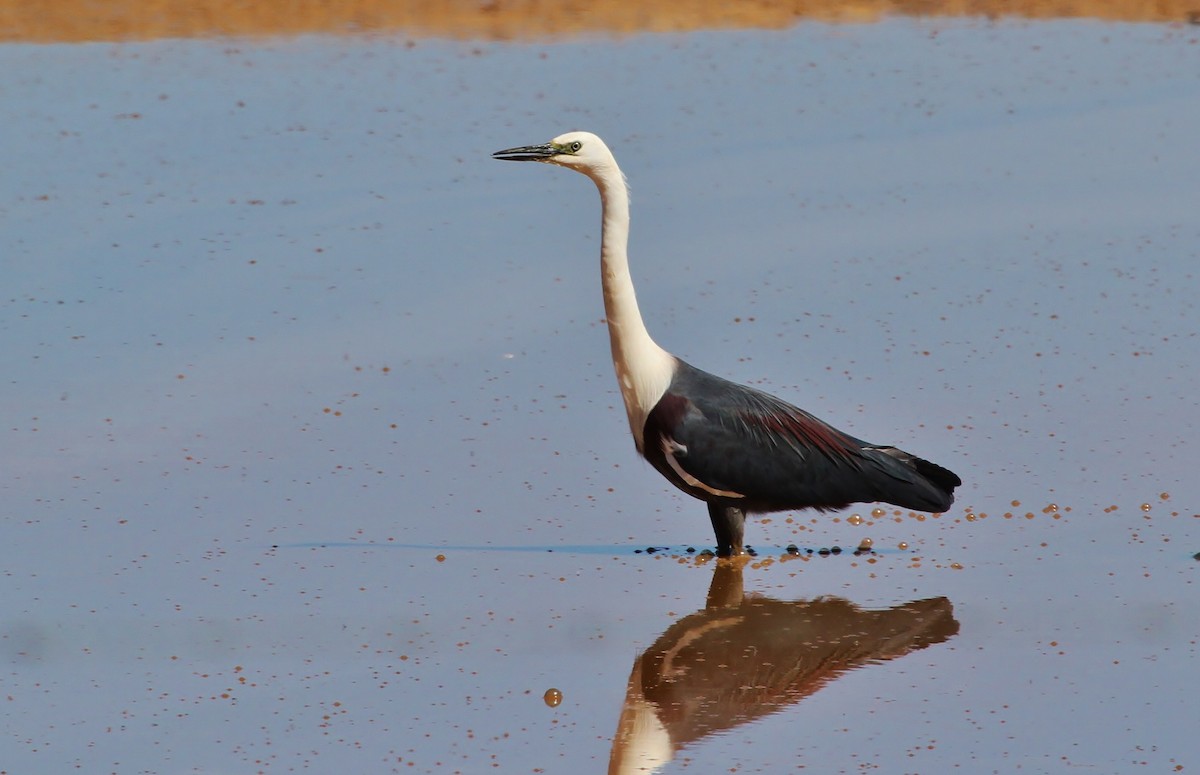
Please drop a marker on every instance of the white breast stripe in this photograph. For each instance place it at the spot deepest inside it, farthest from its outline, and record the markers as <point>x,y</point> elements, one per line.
<point>670,446</point>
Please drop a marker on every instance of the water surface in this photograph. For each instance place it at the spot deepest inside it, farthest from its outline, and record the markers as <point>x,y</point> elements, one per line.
<point>314,459</point>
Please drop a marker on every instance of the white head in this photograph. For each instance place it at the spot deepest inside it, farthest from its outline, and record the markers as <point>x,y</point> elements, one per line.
<point>644,370</point>
<point>582,151</point>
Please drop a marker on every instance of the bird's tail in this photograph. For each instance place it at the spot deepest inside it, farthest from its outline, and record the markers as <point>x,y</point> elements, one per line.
<point>912,482</point>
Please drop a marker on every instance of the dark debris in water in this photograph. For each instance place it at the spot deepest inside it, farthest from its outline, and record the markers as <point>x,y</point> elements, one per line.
<point>791,549</point>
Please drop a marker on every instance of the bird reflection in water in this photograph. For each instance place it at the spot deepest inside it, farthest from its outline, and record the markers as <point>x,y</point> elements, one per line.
<point>743,657</point>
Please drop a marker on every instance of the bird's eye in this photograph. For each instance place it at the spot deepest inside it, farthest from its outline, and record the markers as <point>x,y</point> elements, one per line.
<point>575,146</point>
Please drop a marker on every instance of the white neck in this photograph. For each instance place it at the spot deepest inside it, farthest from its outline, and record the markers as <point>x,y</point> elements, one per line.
<point>644,369</point>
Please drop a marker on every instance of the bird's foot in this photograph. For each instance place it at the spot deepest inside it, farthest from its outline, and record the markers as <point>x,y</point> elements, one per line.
<point>729,525</point>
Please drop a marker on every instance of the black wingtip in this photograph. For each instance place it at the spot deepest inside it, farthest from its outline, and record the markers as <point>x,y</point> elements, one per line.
<point>942,477</point>
<point>943,480</point>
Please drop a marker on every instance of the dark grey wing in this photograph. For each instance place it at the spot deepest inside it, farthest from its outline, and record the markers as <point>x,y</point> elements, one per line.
<point>735,439</point>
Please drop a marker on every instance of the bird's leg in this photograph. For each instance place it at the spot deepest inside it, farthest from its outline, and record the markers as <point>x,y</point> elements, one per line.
<point>729,524</point>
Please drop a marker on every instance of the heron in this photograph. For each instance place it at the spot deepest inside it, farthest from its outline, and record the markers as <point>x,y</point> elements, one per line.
<point>740,450</point>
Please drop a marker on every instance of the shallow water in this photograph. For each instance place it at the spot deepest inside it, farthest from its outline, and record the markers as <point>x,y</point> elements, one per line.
<point>315,461</point>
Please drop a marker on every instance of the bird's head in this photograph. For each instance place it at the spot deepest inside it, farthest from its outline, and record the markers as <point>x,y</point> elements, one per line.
<point>581,151</point>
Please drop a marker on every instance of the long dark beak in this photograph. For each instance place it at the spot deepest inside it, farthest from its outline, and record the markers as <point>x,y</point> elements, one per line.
<point>527,153</point>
